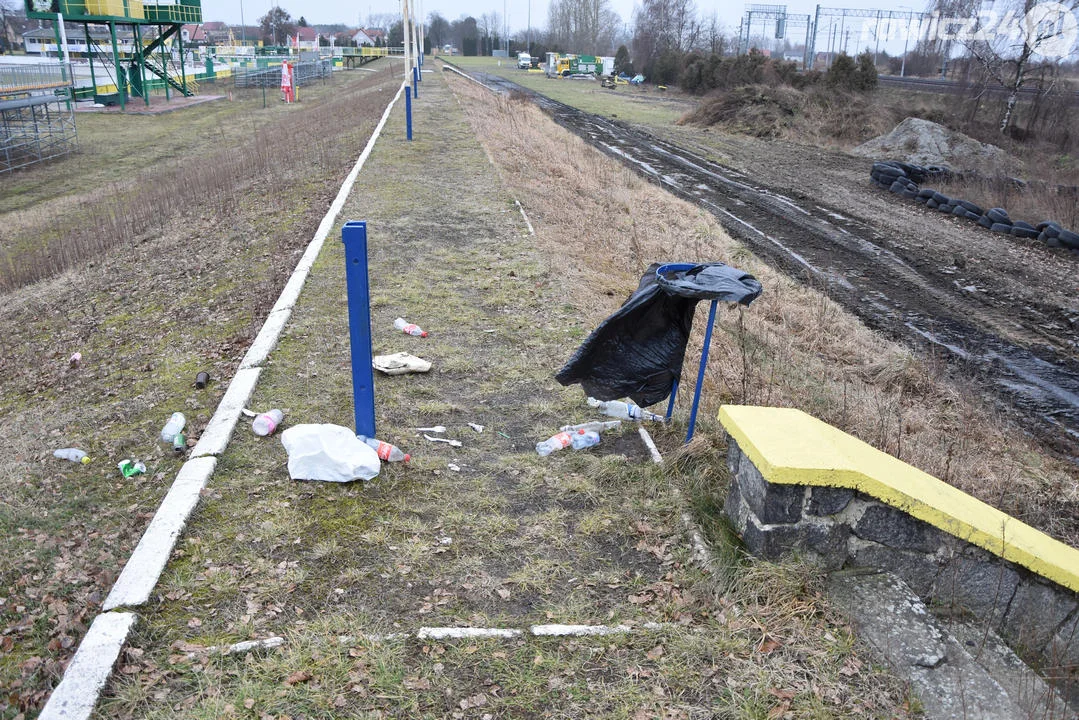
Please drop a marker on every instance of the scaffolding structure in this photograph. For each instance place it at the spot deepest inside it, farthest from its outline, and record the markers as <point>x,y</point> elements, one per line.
<point>35,128</point>
<point>153,23</point>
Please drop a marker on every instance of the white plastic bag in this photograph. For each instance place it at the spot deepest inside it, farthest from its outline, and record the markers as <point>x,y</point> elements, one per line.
<point>329,453</point>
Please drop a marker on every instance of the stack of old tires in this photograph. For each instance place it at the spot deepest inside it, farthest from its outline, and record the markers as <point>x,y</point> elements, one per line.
<point>905,179</point>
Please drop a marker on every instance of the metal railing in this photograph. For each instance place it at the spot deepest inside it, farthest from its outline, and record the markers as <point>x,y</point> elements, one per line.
<point>303,73</point>
<point>16,79</point>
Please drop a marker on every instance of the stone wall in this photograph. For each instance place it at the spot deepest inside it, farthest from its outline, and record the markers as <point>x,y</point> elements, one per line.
<point>844,528</point>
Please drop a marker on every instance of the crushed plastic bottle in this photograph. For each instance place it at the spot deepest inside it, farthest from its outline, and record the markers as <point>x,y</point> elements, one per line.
<point>174,425</point>
<point>583,439</point>
<point>130,468</point>
<point>265,423</point>
<point>72,454</point>
<point>179,443</point>
<point>593,426</point>
<point>409,328</point>
<point>555,442</point>
<point>386,451</point>
<point>624,410</point>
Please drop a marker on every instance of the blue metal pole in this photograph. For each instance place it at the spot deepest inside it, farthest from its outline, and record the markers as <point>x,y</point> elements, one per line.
<point>674,394</point>
<point>354,236</point>
<point>415,83</point>
<point>408,114</point>
<point>700,373</point>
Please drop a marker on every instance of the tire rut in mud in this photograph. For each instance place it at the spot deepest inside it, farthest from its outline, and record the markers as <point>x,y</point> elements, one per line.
<point>848,259</point>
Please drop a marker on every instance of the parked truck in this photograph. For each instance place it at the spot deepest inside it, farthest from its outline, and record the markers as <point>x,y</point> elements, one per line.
<point>566,65</point>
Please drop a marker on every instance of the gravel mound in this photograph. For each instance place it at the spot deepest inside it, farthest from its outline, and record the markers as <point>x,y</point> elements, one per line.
<point>922,142</point>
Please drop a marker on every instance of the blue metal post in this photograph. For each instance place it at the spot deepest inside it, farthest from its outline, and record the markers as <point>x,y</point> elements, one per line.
<point>700,373</point>
<point>415,83</point>
<point>674,394</point>
<point>354,236</point>
<point>408,114</point>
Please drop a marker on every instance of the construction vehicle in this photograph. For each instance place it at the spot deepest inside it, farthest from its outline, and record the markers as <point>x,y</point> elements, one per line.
<point>567,65</point>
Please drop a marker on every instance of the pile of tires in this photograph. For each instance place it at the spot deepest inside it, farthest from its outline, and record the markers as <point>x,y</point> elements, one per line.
<point>905,180</point>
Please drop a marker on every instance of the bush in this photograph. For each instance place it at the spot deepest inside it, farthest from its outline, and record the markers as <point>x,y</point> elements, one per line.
<point>622,62</point>
<point>846,73</point>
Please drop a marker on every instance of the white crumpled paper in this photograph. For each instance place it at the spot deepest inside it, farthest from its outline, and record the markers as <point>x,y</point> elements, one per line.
<point>329,453</point>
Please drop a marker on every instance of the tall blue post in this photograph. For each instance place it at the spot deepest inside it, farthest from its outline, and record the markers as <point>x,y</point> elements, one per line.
<point>354,236</point>
<point>415,82</point>
<point>700,373</point>
<point>408,114</point>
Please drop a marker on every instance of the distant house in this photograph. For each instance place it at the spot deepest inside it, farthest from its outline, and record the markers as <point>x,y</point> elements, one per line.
<point>42,41</point>
<point>193,35</point>
<point>306,38</point>
<point>360,37</point>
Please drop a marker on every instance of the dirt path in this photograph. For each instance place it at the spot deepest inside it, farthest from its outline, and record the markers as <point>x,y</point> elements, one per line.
<point>1003,310</point>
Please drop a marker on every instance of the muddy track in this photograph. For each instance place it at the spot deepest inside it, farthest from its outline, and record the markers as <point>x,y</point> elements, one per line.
<point>1006,350</point>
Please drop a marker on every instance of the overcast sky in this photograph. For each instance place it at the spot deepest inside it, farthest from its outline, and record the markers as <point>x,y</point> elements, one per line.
<point>515,11</point>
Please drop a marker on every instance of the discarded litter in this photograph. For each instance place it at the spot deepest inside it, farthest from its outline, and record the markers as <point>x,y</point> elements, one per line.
<point>202,380</point>
<point>624,410</point>
<point>174,425</point>
<point>386,451</point>
<point>454,466</point>
<point>248,413</point>
<point>576,440</point>
<point>130,468</point>
<point>593,426</point>
<point>409,328</point>
<point>265,423</point>
<point>75,360</point>
<point>476,426</point>
<point>329,453</point>
<point>179,443</point>
<point>400,363</point>
<point>72,454</point>
<point>436,428</point>
<point>451,443</point>
<point>638,351</point>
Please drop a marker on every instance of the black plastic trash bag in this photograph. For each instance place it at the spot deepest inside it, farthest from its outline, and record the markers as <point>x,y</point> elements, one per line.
<point>637,352</point>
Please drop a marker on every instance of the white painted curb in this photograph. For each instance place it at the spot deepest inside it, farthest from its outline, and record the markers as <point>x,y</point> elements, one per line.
<point>145,565</point>
<point>74,698</point>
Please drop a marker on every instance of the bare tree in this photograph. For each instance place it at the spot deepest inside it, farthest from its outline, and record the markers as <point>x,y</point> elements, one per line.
<point>1023,49</point>
<point>583,25</point>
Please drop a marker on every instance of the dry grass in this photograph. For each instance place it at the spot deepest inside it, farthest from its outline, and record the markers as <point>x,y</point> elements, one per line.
<point>793,347</point>
<point>588,537</point>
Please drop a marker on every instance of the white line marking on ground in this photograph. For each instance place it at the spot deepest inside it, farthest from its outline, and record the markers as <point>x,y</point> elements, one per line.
<point>74,698</point>
<point>77,693</point>
<point>146,563</point>
<point>430,633</point>
<point>652,449</point>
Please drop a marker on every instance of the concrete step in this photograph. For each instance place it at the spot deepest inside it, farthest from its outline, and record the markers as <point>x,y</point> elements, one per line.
<point>956,670</point>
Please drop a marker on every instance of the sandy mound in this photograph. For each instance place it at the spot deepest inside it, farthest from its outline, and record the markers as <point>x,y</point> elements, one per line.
<point>926,143</point>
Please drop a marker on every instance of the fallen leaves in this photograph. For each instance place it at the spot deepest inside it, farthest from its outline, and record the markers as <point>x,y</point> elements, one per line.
<point>298,677</point>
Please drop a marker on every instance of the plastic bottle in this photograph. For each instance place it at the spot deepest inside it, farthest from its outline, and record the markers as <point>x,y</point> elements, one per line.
<point>174,425</point>
<point>179,443</point>
<point>265,423</point>
<point>583,439</point>
<point>408,328</point>
<point>386,451</point>
<point>555,442</point>
<point>593,426</point>
<point>72,454</point>
<point>624,410</point>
